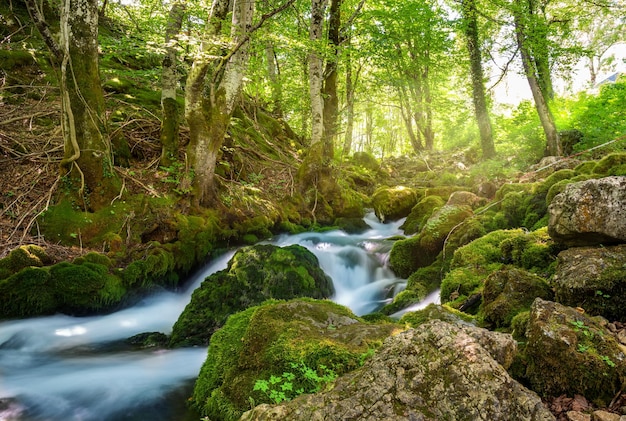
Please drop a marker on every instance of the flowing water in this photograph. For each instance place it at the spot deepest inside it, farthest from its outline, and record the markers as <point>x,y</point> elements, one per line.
<point>63,368</point>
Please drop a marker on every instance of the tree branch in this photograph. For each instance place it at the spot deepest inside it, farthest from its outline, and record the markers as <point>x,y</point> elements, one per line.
<point>44,29</point>
<point>255,27</point>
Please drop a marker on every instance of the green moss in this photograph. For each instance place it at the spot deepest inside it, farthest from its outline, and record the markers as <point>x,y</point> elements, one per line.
<point>586,167</point>
<point>421,212</point>
<point>254,275</point>
<point>366,160</point>
<point>435,312</point>
<point>612,164</point>
<point>554,178</point>
<point>84,288</point>
<point>27,293</point>
<point>93,257</point>
<point>483,251</point>
<point>427,278</point>
<point>266,340</point>
<point>404,299</point>
<point>393,203</point>
<point>406,257</point>
<point>508,292</point>
<point>10,59</point>
<point>519,324</point>
<point>526,188</point>
<point>22,257</point>
<point>460,283</point>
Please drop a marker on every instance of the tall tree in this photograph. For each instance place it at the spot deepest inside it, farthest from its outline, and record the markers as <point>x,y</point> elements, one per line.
<point>208,108</point>
<point>88,160</point>
<point>329,90</point>
<point>523,14</point>
<point>410,41</point>
<point>169,83</point>
<point>316,68</point>
<point>213,87</point>
<point>469,14</point>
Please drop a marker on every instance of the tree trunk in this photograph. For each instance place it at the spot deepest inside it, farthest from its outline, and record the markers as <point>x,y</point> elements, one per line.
<point>470,17</point>
<point>553,146</point>
<point>329,91</point>
<point>318,8</point>
<point>169,82</point>
<point>206,116</point>
<point>273,73</point>
<point>88,159</point>
<point>347,142</point>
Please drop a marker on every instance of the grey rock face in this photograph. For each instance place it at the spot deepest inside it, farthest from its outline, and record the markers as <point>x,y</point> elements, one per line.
<point>436,372</point>
<point>590,212</point>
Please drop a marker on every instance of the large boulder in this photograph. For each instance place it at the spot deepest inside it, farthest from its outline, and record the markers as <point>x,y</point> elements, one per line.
<point>569,353</point>
<point>434,373</point>
<point>392,203</point>
<point>253,275</point>
<point>593,278</point>
<point>590,212</point>
<point>291,347</point>
<point>508,292</point>
<point>413,253</point>
<point>420,213</point>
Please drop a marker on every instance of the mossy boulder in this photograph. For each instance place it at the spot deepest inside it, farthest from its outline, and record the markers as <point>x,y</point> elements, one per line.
<point>366,160</point>
<point>416,252</point>
<point>612,164</point>
<point>440,371</point>
<point>253,275</point>
<point>569,353</point>
<point>272,339</point>
<point>420,213</point>
<point>472,263</point>
<point>21,258</point>
<point>508,292</point>
<point>436,312</point>
<point>81,288</point>
<point>439,227</point>
<point>593,278</point>
<point>391,203</point>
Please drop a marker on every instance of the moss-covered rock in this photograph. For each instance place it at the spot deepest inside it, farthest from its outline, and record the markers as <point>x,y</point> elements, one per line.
<point>508,292</point>
<point>70,288</point>
<point>569,353</point>
<point>366,160</point>
<point>21,258</point>
<point>440,371</point>
<point>593,278</point>
<point>29,292</point>
<point>269,340</point>
<point>413,253</point>
<point>435,312</point>
<point>472,263</point>
<point>612,164</point>
<point>393,203</point>
<point>253,275</point>
<point>420,213</point>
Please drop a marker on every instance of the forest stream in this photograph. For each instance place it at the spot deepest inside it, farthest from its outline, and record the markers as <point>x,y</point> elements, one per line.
<point>62,368</point>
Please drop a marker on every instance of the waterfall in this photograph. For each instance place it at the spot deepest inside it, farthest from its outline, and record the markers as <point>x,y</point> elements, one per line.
<point>63,368</point>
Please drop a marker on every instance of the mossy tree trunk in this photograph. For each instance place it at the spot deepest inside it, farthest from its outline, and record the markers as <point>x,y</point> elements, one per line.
<point>169,80</point>
<point>329,90</point>
<point>318,9</point>
<point>213,87</point>
<point>533,75</point>
<point>88,159</point>
<point>470,21</point>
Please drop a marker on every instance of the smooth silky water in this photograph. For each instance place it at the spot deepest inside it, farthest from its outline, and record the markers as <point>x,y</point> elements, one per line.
<point>63,368</point>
